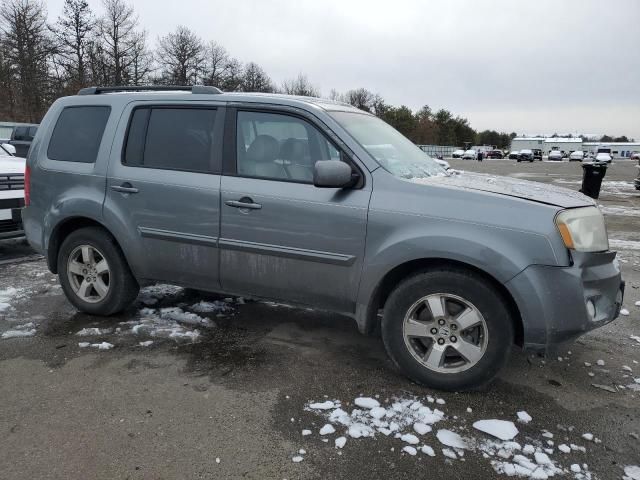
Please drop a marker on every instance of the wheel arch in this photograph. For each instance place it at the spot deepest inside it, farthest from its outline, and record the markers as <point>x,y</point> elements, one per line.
<point>393,277</point>
<point>67,226</point>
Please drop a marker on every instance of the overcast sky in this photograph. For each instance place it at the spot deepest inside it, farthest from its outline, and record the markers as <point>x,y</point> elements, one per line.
<point>540,66</point>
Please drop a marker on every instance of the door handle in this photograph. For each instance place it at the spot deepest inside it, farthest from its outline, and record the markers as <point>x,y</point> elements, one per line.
<point>243,203</point>
<point>126,187</point>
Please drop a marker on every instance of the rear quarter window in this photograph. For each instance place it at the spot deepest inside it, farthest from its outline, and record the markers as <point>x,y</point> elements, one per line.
<point>78,133</point>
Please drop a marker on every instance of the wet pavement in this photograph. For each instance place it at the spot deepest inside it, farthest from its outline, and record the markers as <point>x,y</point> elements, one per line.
<point>232,401</point>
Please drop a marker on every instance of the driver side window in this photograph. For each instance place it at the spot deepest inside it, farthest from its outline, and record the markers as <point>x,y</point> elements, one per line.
<point>279,147</point>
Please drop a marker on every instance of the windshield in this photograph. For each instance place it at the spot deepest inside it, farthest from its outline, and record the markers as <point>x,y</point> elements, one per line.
<point>394,152</point>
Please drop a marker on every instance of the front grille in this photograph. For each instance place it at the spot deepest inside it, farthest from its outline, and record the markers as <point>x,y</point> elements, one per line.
<point>11,181</point>
<point>7,226</point>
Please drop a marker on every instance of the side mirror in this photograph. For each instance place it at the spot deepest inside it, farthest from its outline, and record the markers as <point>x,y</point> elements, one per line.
<point>332,174</point>
<point>9,148</point>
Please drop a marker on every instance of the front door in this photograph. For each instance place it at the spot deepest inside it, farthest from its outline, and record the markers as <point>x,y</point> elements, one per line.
<point>281,237</point>
<point>164,184</point>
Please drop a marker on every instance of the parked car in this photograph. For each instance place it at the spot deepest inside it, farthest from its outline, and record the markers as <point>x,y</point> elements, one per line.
<point>457,154</point>
<point>555,155</point>
<point>470,155</point>
<point>603,157</point>
<point>526,155</point>
<point>22,137</point>
<point>514,155</point>
<point>495,154</point>
<point>11,193</point>
<point>288,198</point>
<point>635,156</point>
<point>578,155</point>
<point>537,154</point>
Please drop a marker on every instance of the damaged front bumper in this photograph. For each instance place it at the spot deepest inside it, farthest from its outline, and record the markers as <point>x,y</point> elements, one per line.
<point>561,303</point>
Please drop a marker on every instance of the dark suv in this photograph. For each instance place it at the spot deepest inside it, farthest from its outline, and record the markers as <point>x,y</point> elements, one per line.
<point>495,154</point>
<point>22,137</point>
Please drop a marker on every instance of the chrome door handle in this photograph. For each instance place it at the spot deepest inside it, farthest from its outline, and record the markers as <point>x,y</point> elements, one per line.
<point>242,203</point>
<point>126,187</point>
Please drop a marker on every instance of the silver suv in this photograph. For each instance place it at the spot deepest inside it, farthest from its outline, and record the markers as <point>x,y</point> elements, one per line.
<point>313,203</point>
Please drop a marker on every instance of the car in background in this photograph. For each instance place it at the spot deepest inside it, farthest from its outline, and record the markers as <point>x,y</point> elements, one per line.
<point>470,155</point>
<point>514,155</point>
<point>555,156</point>
<point>578,155</point>
<point>526,155</point>
<point>457,153</point>
<point>11,193</point>
<point>603,157</point>
<point>495,154</point>
<point>635,156</point>
<point>22,137</point>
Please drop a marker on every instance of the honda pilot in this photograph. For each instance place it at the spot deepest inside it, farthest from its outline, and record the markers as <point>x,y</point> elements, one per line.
<point>313,203</point>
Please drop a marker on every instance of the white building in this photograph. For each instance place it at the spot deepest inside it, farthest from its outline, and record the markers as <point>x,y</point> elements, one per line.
<point>546,144</point>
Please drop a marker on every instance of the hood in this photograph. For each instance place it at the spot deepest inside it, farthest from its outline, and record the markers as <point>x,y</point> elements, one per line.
<point>12,165</point>
<point>513,187</point>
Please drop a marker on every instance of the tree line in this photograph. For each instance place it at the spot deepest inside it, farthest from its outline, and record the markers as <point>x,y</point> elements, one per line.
<point>41,61</point>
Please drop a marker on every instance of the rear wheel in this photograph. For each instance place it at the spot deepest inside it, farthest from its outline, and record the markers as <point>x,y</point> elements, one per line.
<point>94,274</point>
<point>448,329</point>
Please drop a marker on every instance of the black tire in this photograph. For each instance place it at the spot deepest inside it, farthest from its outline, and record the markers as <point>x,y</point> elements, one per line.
<point>123,287</point>
<point>469,286</point>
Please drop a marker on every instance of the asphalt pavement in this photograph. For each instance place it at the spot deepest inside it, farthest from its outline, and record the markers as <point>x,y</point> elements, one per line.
<point>234,402</point>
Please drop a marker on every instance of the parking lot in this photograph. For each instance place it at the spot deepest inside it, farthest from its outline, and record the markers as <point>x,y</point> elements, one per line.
<point>187,385</point>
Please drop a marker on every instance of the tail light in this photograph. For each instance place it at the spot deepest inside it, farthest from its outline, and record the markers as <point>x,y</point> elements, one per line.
<point>27,186</point>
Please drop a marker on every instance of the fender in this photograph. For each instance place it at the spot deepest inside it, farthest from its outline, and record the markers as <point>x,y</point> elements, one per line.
<point>499,253</point>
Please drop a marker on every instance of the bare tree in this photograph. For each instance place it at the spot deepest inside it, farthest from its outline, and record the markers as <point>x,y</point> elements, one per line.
<point>361,98</point>
<point>234,76</point>
<point>118,32</point>
<point>255,79</point>
<point>73,33</point>
<point>27,48</point>
<point>216,64</point>
<point>300,86</point>
<point>141,60</point>
<point>181,57</point>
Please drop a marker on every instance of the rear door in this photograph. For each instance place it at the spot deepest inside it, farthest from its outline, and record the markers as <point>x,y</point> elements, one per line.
<point>281,237</point>
<point>164,186</point>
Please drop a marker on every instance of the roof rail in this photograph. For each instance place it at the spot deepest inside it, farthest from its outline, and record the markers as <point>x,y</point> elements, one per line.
<point>195,89</point>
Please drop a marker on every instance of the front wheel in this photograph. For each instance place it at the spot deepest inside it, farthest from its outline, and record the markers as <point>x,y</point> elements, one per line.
<point>448,329</point>
<point>94,274</point>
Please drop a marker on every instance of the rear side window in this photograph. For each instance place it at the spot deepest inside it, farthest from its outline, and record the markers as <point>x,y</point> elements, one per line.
<point>78,133</point>
<point>171,138</point>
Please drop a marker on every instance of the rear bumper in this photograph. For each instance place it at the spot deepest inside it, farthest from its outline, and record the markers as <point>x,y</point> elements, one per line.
<point>553,300</point>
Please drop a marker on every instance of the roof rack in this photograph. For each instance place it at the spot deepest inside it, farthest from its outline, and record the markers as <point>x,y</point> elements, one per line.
<point>195,89</point>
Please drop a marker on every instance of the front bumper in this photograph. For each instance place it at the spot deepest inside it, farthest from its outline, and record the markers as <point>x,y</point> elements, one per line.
<point>553,300</point>
<point>11,218</point>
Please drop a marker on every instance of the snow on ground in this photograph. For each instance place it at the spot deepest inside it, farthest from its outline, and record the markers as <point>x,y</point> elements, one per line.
<point>619,210</point>
<point>611,187</point>
<point>631,472</point>
<point>6,295</point>
<point>152,294</point>
<point>18,333</point>
<point>410,422</point>
<point>614,243</point>
<point>502,429</point>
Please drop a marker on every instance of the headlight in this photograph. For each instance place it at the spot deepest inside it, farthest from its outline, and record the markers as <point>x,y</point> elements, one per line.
<point>583,229</point>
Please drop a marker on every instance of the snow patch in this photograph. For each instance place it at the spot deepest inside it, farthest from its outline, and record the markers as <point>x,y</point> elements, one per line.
<point>502,429</point>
